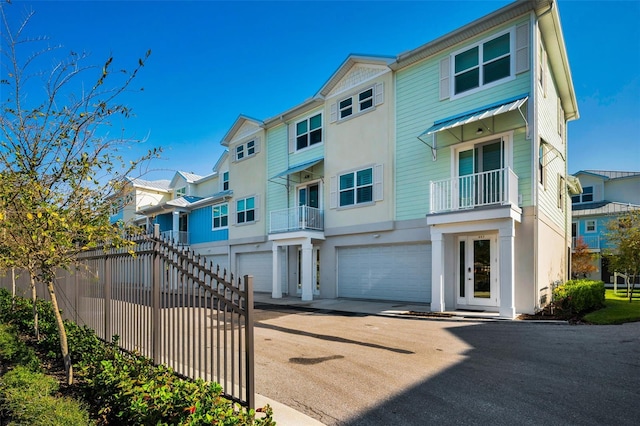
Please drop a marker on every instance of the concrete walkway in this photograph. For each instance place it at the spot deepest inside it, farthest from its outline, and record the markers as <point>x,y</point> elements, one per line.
<point>287,416</point>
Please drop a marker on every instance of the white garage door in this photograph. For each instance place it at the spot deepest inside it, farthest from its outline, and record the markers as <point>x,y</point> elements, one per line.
<point>260,265</point>
<point>394,272</point>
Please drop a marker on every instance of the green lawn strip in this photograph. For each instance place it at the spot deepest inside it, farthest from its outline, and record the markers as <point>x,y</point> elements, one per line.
<point>617,309</point>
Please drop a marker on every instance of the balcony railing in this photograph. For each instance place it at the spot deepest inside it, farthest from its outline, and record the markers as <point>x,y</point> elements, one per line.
<point>474,190</point>
<point>592,242</point>
<point>178,237</point>
<point>296,219</point>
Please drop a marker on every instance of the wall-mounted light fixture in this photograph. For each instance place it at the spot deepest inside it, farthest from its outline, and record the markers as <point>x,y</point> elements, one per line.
<point>479,131</point>
<point>376,235</point>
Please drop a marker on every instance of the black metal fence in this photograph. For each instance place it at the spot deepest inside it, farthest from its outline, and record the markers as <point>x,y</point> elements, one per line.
<point>166,303</point>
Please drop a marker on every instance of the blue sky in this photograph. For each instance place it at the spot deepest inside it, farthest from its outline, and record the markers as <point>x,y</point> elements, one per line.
<point>214,60</point>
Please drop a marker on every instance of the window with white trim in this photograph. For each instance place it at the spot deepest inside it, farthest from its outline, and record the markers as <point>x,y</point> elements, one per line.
<point>585,197</point>
<point>541,169</point>
<point>245,150</point>
<point>590,226</point>
<point>485,63</point>
<point>308,131</point>
<point>245,210</point>
<point>225,181</point>
<point>357,103</point>
<point>220,216</point>
<point>356,187</point>
<point>181,191</point>
<point>561,190</point>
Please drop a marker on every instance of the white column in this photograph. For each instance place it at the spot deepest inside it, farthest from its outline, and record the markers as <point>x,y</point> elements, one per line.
<point>276,290</point>
<point>307,270</point>
<point>437,271</point>
<point>176,227</point>
<point>507,270</point>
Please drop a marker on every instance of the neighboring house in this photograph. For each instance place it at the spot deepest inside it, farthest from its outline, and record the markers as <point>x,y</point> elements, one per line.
<point>136,194</point>
<point>437,176</point>
<point>605,196</point>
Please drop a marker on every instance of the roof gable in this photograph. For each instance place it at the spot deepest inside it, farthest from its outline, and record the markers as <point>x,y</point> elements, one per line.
<point>355,70</point>
<point>243,126</point>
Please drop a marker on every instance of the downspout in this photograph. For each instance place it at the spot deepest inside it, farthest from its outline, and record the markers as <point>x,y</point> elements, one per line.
<point>535,146</point>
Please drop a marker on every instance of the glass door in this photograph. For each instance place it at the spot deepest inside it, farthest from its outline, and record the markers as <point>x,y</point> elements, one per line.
<point>479,179</point>
<point>477,282</point>
<point>309,205</point>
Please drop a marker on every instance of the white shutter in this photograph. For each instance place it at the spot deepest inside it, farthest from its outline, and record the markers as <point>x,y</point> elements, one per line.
<point>333,117</point>
<point>543,70</point>
<point>333,192</point>
<point>445,77</point>
<point>522,48</point>
<point>379,93</point>
<point>292,138</point>
<point>378,179</point>
<point>232,212</point>
<point>560,120</point>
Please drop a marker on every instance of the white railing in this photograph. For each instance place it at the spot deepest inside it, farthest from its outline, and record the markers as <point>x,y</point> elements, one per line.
<point>592,242</point>
<point>296,219</point>
<point>178,237</point>
<point>474,190</point>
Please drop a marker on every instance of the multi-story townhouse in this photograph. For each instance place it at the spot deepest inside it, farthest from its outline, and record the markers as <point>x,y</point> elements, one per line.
<point>437,176</point>
<point>135,194</point>
<point>605,196</point>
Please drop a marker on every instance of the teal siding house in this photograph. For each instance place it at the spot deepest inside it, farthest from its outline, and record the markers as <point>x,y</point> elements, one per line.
<point>437,176</point>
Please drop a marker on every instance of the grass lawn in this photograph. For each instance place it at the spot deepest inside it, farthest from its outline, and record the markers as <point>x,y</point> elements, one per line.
<point>617,308</point>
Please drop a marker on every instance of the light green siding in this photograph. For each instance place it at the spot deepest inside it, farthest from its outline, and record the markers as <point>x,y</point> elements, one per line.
<point>277,155</point>
<point>418,106</point>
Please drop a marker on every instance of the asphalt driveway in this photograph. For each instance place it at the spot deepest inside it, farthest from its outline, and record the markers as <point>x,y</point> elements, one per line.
<point>356,369</point>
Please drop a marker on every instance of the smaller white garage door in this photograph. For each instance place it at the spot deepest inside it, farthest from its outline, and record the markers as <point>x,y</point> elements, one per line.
<point>260,265</point>
<point>394,272</point>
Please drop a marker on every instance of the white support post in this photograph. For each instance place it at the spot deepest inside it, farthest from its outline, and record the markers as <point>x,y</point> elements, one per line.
<point>507,271</point>
<point>437,271</point>
<point>276,289</point>
<point>175,227</point>
<point>307,271</point>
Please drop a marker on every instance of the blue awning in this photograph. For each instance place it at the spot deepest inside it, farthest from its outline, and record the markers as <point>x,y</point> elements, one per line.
<point>477,114</point>
<point>298,168</point>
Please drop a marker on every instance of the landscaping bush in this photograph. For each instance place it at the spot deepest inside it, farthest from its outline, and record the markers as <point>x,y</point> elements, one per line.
<point>579,296</point>
<point>14,351</point>
<point>27,399</point>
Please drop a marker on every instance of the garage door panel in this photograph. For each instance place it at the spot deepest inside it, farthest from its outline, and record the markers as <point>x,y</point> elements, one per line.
<point>260,265</point>
<point>395,272</point>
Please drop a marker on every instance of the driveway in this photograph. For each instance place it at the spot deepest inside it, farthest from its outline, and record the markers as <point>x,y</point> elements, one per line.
<point>357,369</point>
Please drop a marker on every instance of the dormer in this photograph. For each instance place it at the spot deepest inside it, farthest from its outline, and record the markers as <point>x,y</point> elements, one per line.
<point>244,139</point>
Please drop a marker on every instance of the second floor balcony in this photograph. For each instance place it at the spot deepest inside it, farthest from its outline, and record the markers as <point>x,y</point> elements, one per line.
<point>495,187</point>
<point>592,242</point>
<point>296,219</point>
<point>178,237</point>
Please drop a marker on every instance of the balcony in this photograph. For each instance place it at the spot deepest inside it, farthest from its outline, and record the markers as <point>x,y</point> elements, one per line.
<point>296,219</point>
<point>178,237</point>
<point>495,187</point>
<point>592,242</point>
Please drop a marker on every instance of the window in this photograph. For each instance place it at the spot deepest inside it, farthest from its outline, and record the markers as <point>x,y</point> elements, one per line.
<point>590,226</point>
<point>363,102</point>
<point>309,132</point>
<point>585,197</point>
<point>181,191</point>
<point>225,181</point>
<point>541,169</point>
<point>220,216</point>
<point>246,210</point>
<point>356,187</point>
<point>485,63</point>
<point>245,150</point>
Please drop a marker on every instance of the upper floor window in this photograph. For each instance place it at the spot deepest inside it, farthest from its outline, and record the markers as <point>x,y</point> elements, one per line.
<point>309,132</point>
<point>585,197</point>
<point>220,216</point>
<point>356,187</point>
<point>245,150</point>
<point>590,226</point>
<point>245,210</point>
<point>482,64</point>
<point>225,181</point>
<point>181,191</point>
<point>356,103</point>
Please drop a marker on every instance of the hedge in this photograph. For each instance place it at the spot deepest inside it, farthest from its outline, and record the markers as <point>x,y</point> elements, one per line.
<point>579,296</point>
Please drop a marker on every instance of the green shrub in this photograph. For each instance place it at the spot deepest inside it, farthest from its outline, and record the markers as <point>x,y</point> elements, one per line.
<point>579,296</point>
<point>27,399</point>
<point>14,351</point>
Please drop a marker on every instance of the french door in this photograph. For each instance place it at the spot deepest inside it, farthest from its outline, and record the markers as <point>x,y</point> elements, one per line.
<point>479,179</point>
<point>477,270</point>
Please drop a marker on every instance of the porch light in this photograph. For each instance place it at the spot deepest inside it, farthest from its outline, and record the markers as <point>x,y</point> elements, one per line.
<point>479,131</point>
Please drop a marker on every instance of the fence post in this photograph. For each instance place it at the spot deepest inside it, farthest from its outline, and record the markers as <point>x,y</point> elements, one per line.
<point>155,296</point>
<point>249,368</point>
<point>107,298</point>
